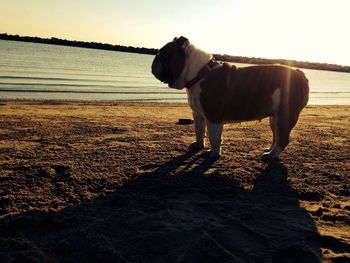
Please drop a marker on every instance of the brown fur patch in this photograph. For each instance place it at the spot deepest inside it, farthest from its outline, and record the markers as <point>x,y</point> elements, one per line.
<point>241,94</point>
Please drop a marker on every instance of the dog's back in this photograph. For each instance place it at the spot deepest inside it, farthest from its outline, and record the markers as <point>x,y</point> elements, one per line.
<point>248,93</point>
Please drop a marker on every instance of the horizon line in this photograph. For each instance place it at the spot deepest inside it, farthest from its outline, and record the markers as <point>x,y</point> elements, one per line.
<point>153,51</point>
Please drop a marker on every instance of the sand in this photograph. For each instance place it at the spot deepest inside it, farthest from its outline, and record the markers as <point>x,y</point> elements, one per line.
<point>113,182</point>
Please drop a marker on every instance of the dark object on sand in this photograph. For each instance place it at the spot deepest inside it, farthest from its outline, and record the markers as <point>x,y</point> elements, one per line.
<point>185,121</point>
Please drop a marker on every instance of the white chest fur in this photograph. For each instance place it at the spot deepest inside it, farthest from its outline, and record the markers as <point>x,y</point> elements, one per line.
<point>193,97</point>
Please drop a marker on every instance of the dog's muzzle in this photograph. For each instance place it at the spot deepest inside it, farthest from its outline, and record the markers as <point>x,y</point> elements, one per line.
<point>157,68</point>
<point>161,70</point>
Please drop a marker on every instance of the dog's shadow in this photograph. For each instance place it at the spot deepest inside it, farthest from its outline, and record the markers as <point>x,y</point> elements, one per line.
<point>180,211</point>
<point>208,217</point>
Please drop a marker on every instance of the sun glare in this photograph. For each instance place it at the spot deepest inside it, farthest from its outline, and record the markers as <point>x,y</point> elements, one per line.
<point>313,30</point>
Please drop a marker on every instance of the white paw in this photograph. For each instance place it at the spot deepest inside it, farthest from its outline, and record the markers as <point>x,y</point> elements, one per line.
<point>267,150</point>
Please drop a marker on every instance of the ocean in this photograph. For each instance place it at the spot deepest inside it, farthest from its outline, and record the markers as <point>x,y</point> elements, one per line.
<point>41,71</point>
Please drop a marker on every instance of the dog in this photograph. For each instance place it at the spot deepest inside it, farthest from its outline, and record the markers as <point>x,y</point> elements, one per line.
<point>219,92</point>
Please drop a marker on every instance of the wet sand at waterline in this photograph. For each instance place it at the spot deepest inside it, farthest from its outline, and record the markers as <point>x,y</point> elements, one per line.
<point>113,182</point>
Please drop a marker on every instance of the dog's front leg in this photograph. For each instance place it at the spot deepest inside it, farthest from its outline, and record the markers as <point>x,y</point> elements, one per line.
<point>199,128</point>
<point>215,133</point>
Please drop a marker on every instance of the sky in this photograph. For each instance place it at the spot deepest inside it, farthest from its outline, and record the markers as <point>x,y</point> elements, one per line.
<point>307,30</point>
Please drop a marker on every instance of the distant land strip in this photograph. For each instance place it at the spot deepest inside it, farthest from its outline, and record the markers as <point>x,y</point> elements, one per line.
<point>153,51</point>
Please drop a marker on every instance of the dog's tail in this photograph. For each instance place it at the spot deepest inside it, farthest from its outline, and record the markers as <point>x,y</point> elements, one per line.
<point>295,96</point>
<point>301,86</point>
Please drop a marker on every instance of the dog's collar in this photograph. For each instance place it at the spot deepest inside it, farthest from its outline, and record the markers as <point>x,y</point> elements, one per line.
<point>202,73</point>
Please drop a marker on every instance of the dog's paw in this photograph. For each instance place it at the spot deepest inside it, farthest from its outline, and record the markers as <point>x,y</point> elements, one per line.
<point>211,156</point>
<point>267,150</point>
<point>196,146</point>
<point>267,157</point>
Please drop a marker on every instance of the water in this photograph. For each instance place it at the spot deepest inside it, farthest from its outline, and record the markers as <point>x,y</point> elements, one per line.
<point>40,71</point>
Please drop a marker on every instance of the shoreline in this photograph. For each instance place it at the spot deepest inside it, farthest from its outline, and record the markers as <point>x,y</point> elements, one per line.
<point>111,102</point>
<point>113,181</point>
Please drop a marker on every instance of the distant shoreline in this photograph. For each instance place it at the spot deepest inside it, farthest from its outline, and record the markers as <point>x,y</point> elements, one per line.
<point>83,44</point>
<point>153,51</point>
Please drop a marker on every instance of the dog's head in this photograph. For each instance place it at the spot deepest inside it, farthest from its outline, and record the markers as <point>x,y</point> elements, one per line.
<point>169,63</point>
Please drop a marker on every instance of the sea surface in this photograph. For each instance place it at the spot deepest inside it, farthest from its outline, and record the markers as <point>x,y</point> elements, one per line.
<point>41,71</point>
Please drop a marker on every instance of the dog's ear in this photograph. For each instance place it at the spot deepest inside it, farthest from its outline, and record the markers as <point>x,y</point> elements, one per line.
<point>181,41</point>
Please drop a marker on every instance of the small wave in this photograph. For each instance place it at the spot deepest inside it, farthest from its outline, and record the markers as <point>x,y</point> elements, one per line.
<point>50,78</point>
<point>30,66</point>
<point>330,92</point>
<point>77,85</point>
<point>88,92</point>
<point>132,80</point>
<point>65,71</point>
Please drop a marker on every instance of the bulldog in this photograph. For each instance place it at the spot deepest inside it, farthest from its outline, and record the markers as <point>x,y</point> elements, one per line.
<point>219,92</point>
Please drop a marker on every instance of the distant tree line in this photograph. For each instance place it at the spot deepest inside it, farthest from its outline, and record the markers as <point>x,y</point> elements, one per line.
<point>73,43</point>
<point>153,51</point>
<point>291,63</point>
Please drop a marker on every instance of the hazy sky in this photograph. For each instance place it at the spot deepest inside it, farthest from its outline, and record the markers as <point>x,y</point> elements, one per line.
<point>311,30</point>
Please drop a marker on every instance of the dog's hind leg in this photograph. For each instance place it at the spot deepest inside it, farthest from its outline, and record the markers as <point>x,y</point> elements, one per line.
<point>272,126</point>
<point>277,135</point>
<point>276,99</point>
<point>282,126</point>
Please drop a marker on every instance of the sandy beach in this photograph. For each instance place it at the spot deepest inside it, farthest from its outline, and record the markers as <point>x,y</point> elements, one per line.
<point>113,182</point>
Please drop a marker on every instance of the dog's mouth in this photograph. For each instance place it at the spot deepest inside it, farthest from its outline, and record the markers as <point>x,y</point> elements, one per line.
<point>161,71</point>
<point>164,73</point>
